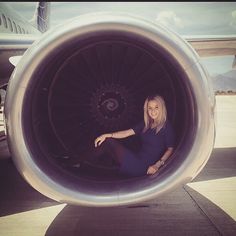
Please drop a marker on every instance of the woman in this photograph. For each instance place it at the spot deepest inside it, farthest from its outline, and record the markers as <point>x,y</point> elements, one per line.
<point>157,138</point>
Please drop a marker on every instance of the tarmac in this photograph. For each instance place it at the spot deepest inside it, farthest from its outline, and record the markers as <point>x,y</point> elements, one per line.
<point>206,206</point>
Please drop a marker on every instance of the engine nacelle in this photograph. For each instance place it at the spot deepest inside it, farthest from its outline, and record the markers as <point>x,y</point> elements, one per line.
<point>90,76</point>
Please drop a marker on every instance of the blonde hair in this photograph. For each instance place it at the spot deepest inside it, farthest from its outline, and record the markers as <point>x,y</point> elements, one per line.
<point>159,122</point>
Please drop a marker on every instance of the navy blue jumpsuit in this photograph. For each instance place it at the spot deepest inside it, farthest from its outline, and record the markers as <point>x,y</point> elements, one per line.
<point>153,147</point>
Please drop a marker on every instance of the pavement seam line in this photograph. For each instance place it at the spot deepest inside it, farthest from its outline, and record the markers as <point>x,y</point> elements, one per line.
<point>203,212</point>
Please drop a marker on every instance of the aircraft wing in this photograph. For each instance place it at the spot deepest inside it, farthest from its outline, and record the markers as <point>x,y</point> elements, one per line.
<point>17,34</point>
<point>208,46</point>
<point>205,46</point>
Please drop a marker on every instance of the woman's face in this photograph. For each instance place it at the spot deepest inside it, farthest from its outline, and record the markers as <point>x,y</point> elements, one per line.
<point>153,109</point>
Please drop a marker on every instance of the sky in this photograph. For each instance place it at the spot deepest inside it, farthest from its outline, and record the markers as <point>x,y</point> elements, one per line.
<point>185,18</point>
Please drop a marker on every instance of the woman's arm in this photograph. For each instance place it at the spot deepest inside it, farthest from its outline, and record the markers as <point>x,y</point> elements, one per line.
<point>166,155</point>
<point>154,168</point>
<point>119,134</point>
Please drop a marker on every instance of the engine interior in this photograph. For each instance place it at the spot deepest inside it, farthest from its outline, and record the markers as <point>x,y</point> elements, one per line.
<point>98,84</point>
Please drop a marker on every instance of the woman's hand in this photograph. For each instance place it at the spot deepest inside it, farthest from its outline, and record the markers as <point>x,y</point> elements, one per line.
<point>154,168</point>
<point>99,140</point>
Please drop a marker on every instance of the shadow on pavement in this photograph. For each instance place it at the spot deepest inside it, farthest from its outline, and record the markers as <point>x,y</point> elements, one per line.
<point>16,194</point>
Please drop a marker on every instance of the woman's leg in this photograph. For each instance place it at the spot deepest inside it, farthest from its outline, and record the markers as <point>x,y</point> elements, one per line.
<point>90,154</point>
<point>115,149</point>
<point>111,147</point>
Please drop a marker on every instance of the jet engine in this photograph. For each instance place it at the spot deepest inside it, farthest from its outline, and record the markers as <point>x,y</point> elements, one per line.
<point>90,76</point>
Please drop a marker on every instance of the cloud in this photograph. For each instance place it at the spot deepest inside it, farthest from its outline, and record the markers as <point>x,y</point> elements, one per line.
<point>169,19</point>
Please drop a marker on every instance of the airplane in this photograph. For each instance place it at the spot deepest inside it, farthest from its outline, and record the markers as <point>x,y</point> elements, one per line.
<point>91,75</point>
<point>12,24</point>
